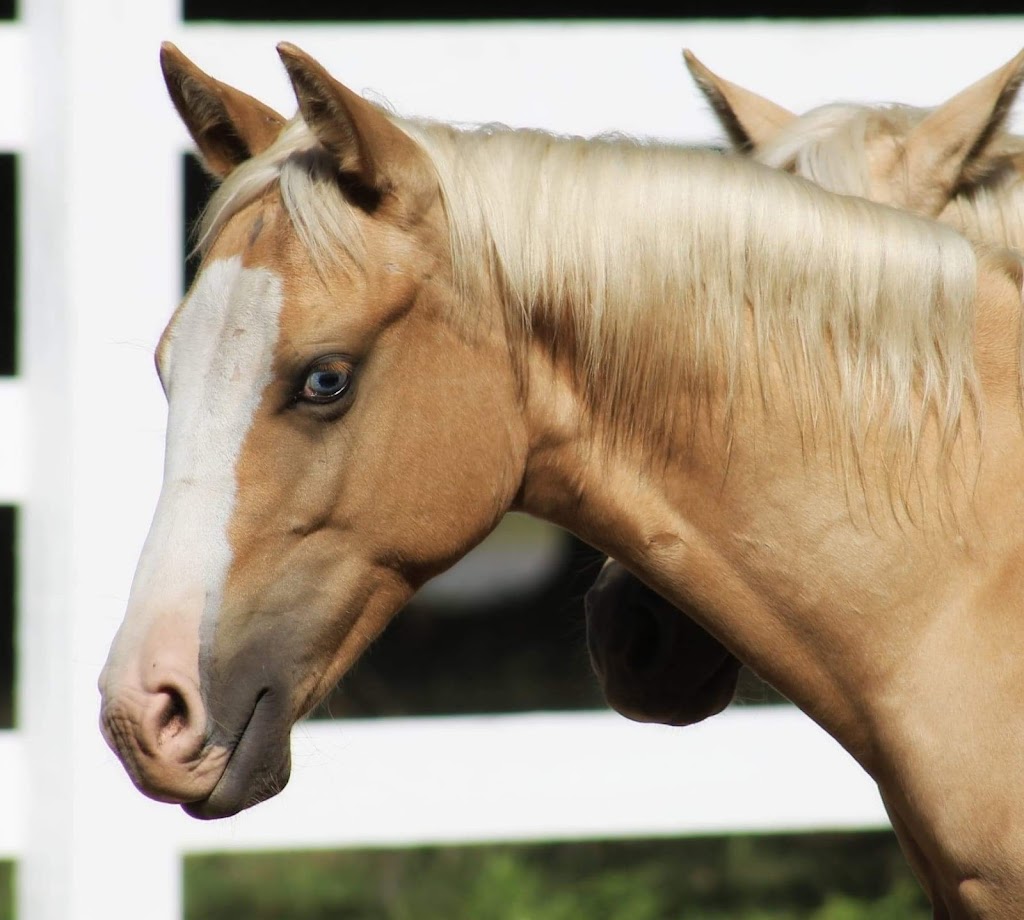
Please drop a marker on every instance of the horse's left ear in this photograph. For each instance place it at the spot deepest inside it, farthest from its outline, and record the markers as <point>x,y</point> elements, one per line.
<point>750,120</point>
<point>227,125</point>
<point>944,147</point>
<point>365,143</point>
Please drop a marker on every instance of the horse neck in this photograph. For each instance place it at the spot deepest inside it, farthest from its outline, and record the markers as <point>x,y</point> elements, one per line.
<point>659,449</point>
<point>754,539</point>
<point>664,279</point>
<point>679,519</point>
<point>590,248</point>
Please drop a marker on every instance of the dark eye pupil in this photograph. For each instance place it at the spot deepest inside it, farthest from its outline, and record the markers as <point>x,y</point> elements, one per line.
<point>326,381</point>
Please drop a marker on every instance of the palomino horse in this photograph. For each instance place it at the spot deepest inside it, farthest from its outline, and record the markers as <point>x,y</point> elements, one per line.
<point>955,163</point>
<point>798,412</point>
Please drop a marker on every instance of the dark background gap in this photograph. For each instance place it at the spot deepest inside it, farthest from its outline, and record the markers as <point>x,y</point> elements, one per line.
<point>321,10</point>
<point>8,264</point>
<point>8,594</point>
<point>198,186</point>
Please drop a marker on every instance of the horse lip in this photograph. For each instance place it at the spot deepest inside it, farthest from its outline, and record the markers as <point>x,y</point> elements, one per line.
<point>250,775</point>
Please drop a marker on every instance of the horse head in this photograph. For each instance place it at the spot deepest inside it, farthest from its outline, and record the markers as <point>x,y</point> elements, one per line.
<point>912,158</point>
<point>333,440</point>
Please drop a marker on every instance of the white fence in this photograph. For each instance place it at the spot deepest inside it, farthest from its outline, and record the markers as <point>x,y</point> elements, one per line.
<point>82,102</point>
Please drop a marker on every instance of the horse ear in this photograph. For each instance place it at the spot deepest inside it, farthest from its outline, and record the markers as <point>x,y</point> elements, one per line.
<point>227,125</point>
<point>952,138</point>
<point>364,142</point>
<point>750,120</point>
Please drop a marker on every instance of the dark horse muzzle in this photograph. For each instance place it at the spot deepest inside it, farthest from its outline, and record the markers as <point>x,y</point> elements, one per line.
<point>654,662</point>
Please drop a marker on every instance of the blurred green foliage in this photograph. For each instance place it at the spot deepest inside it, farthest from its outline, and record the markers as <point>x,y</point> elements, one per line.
<point>6,891</point>
<point>820,877</point>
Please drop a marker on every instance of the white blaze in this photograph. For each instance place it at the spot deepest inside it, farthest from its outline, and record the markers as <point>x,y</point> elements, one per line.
<point>217,365</point>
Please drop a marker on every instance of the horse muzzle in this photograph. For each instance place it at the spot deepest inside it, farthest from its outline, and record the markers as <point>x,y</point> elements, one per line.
<point>654,662</point>
<point>175,750</point>
<point>159,736</point>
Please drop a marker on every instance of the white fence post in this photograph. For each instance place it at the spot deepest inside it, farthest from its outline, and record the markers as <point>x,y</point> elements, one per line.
<point>100,209</point>
<point>15,435</point>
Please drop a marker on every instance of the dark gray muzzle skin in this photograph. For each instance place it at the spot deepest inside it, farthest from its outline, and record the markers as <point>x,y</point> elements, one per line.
<point>249,710</point>
<point>654,663</point>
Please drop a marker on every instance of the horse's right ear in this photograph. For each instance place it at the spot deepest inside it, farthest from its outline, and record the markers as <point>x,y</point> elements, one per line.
<point>953,138</point>
<point>227,125</point>
<point>750,120</point>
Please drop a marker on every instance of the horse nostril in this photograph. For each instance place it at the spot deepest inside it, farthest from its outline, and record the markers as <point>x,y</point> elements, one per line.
<point>173,717</point>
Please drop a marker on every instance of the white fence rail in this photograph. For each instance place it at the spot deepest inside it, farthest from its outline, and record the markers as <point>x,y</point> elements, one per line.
<point>80,450</point>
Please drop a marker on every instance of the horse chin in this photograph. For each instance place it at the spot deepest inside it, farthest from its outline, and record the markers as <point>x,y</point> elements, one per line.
<point>257,767</point>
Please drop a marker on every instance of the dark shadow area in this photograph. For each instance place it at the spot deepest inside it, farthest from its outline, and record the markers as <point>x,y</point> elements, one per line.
<point>8,9</point>
<point>515,654</point>
<point>322,10</point>
<point>808,877</point>
<point>198,186</point>
<point>8,264</point>
<point>8,593</point>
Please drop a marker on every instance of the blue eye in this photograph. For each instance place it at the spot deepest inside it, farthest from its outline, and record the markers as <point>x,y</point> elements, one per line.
<point>327,380</point>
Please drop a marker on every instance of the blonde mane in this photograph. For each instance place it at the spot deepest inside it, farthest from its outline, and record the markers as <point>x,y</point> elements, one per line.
<point>829,146</point>
<point>668,274</point>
